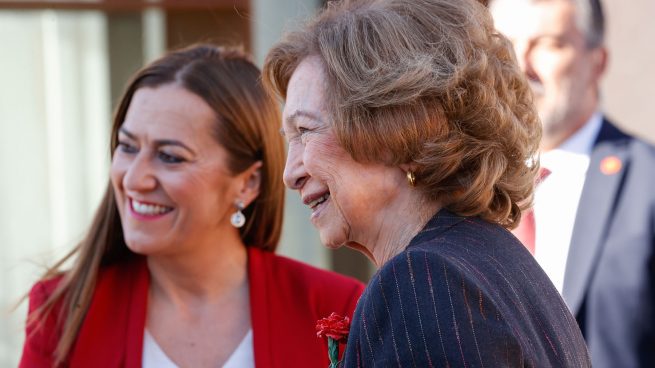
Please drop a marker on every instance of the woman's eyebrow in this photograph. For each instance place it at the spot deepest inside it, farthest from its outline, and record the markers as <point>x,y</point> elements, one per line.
<point>172,142</point>
<point>303,113</point>
<point>159,142</point>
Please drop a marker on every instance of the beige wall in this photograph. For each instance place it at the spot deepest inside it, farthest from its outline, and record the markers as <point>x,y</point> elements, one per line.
<point>629,85</point>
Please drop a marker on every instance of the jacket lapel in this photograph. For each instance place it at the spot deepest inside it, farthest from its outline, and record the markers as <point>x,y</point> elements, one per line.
<point>258,270</point>
<point>112,332</point>
<point>607,168</point>
<point>136,323</point>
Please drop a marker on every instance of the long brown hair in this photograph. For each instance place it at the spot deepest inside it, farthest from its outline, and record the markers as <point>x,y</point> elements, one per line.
<point>247,126</point>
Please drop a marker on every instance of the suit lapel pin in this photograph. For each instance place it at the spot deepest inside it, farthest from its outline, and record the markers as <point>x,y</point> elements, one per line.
<point>610,165</point>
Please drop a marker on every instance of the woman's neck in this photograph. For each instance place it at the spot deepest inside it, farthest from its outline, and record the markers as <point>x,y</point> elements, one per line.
<point>204,276</point>
<point>394,228</point>
<point>196,300</point>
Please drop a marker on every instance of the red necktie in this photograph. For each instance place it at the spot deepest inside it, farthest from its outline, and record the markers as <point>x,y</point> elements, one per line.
<point>525,232</point>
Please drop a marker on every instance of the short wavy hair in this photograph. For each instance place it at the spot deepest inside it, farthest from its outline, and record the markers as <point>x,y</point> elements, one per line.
<point>428,83</point>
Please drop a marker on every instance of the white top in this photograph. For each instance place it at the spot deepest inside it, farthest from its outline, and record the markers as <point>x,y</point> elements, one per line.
<point>557,197</point>
<point>154,357</point>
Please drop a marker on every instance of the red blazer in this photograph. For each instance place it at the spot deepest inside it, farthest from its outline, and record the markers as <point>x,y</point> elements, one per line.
<point>286,300</point>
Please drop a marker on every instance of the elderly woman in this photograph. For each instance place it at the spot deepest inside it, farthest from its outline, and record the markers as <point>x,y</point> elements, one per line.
<point>178,268</point>
<point>412,138</point>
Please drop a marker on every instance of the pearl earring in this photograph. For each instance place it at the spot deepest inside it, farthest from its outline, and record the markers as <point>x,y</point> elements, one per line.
<point>238,219</point>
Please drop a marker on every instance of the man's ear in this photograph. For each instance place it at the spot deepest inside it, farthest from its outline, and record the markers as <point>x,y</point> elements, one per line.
<point>599,60</point>
<point>251,180</point>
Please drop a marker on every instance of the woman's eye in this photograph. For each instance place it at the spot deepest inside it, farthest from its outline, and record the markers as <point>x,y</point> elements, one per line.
<point>126,147</point>
<point>170,159</point>
<point>302,133</point>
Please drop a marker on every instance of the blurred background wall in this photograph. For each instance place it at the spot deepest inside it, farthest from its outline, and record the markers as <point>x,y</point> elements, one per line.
<point>629,86</point>
<point>63,64</point>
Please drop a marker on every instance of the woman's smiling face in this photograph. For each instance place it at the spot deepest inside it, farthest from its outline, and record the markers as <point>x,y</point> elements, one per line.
<point>170,176</point>
<point>345,196</point>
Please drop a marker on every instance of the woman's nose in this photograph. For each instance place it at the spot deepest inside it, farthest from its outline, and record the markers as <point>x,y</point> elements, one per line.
<point>294,170</point>
<point>139,174</point>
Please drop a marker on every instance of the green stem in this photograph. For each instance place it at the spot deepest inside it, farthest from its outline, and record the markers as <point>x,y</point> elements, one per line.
<point>333,352</point>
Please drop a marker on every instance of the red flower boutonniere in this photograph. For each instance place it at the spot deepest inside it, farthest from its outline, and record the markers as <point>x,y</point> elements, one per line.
<point>336,329</point>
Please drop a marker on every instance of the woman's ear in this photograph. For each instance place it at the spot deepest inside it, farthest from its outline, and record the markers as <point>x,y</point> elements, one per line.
<point>251,180</point>
<point>407,168</point>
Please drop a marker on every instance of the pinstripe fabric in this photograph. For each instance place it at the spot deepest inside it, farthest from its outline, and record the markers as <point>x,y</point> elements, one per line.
<point>465,293</point>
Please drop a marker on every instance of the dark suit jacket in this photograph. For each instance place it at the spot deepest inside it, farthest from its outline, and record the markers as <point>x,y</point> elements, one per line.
<point>609,282</point>
<point>465,293</point>
<point>286,300</point>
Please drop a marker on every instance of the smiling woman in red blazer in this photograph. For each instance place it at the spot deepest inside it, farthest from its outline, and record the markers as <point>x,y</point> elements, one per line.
<point>178,268</point>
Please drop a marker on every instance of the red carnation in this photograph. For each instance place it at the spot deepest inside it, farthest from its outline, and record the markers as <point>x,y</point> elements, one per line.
<point>334,326</point>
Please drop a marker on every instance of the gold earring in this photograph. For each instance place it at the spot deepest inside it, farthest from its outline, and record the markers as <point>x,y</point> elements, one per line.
<point>411,179</point>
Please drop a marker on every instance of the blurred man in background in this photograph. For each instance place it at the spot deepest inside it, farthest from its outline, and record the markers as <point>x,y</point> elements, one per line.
<point>592,228</point>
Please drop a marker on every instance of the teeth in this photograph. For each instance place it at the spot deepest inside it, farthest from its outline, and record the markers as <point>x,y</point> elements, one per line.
<point>148,209</point>
<point>318,201</point>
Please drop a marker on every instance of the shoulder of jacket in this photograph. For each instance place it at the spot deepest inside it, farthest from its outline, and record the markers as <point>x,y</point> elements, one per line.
<point>301,273</point>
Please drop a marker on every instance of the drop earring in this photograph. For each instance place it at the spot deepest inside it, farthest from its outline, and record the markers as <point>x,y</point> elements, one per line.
<point>238,219</point>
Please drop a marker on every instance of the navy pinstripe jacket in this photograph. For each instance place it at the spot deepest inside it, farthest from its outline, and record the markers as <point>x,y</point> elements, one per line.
<point>465,293</point>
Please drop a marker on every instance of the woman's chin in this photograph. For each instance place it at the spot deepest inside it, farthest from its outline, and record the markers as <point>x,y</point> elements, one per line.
<point>333,234</point>
<point>142,248</point>
<point>330,241</point>
<point>137,249</point>
<point>331,245</point>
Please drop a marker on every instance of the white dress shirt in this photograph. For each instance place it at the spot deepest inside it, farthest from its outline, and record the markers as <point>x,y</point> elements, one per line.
<point>557,197</point>
<point>154,356</point>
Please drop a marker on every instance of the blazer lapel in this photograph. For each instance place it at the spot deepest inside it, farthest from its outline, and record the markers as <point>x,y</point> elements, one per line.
<point>607,167</point>
<point>136,322</point>
<point>261,319</point>
<point>112,332</point>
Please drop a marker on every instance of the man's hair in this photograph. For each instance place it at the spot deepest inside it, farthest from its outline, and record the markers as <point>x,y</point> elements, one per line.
<point>591,21</point>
